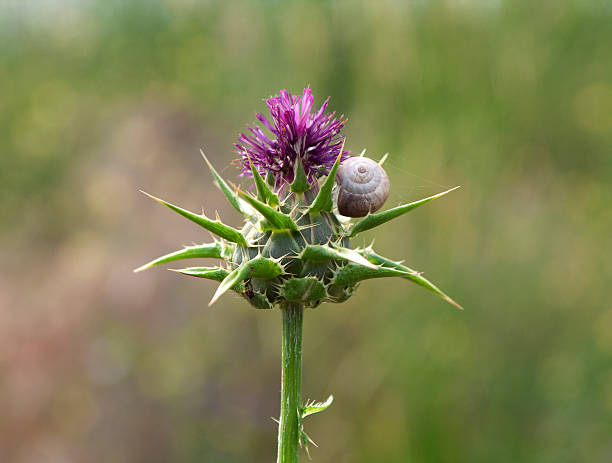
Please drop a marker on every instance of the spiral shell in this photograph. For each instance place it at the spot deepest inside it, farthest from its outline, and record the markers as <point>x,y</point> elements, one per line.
<point>363,186</point>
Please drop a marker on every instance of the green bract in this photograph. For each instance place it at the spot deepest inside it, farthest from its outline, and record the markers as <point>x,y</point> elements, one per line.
<point>292,247</point>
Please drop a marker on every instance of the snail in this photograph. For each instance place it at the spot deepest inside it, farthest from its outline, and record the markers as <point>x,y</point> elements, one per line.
<point>363,186</point>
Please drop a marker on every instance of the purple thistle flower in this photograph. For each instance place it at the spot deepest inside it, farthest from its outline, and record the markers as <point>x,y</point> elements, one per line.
<point>298,133</point>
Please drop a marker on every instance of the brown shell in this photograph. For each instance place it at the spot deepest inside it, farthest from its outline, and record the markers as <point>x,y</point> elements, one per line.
<point>363,186</point>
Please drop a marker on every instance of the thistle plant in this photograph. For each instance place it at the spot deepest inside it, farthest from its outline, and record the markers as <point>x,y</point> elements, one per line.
<point>293,251</point>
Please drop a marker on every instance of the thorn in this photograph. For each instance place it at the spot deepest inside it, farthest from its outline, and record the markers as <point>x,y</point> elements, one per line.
<point>302,235</point>
<point>307,227</point>
<point>362,153</point>
<point>448,299</point>
<point>216,215</point>
<point>278,259</point>
<point>383,159</point>
<point>295,208</point>
<point>283,202</point>
<point>207,162</point>
<point>342,147</point>
<point>275,420</point>
<point>216,297</point>
<point>160,201</point>
<point>141,268</point>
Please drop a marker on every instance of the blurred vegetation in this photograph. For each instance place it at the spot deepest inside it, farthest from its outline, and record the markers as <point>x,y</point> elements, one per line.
<point>510,99</point>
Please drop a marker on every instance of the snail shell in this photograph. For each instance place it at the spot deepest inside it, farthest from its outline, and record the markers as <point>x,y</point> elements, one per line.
<point>363,186</point>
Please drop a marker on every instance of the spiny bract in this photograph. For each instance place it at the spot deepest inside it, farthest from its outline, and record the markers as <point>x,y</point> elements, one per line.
<point>293,247</point>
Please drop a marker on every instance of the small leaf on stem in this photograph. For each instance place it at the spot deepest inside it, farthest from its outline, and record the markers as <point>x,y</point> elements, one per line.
<point>315,407</point>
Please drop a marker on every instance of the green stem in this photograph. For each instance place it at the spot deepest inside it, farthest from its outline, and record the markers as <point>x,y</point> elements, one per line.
<point>291,385</point>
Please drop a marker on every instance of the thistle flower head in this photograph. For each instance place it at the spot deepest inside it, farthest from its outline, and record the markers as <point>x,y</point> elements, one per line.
<point>299,131</point>
<point>293,248</point>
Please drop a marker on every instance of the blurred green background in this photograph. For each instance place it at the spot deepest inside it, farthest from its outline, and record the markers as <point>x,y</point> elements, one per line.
<point>510,99</point>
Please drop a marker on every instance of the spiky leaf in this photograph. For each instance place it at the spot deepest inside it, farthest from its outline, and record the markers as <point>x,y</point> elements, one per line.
<point>351,273</point>
<point>258,300</point>
<point>408,274</point>
<point>235,277</point>
<point>213,226</point>
<point>210,273</point>
<point>275,218</point>
<point>264,267</point>
<point>216,250</point>
<point>264,193</point>
<point>300,180</point>
<point>258,267</point>
<point>323,200</point>
<point>307,289</point>
<point>378,218</point>
<point>340,293</point>
<point>225,189</point>
<point>324,253</point>
<point>271,179</point>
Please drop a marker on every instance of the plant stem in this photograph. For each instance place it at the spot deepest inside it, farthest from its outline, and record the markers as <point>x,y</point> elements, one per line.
<point>291,384</point>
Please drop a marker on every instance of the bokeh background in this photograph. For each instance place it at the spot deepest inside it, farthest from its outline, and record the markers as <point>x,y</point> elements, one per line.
<point>510,99</point>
